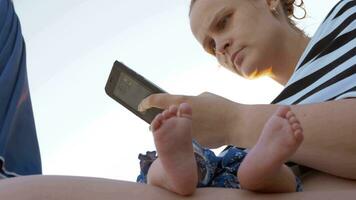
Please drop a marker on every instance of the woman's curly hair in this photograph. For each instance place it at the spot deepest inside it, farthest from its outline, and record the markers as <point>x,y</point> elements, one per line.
<point>288,7</point>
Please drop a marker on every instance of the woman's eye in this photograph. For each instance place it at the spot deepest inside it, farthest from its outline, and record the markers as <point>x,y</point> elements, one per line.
<point>223,22</point>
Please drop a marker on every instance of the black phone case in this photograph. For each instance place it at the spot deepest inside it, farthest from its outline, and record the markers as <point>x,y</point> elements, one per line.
<point>119,67</point>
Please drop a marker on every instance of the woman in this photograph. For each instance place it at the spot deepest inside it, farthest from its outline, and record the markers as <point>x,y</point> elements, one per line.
<point>328,126</point>
<point>324,71</point>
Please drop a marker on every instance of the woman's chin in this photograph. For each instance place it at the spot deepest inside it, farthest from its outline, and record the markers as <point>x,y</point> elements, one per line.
<point>249,74</point>
<point>254,73</point>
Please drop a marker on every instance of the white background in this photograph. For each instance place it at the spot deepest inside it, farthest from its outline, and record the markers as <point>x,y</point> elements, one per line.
<point>71,46</point>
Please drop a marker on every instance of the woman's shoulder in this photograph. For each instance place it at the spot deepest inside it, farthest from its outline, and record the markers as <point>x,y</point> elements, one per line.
<point>339,18</point>
<point>340,8</point>
<point>326,70</point>
<point>336,30</point>
<point>334,36</point>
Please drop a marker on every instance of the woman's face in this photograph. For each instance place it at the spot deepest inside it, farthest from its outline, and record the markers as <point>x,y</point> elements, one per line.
<point>242,34</point>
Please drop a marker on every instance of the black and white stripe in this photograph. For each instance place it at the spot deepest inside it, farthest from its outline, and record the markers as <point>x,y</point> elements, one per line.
<point>327,69</point>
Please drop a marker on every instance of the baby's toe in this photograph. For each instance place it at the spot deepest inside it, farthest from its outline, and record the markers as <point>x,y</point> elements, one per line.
<point>296,127</point>
<point>290,114</point>
<point>185,110</point>
<point>282,111</point>
<point>293,119</point>
<point>298,134</point>
<point>173,109</point>
<point>156,122</point>
<point>167,114</point>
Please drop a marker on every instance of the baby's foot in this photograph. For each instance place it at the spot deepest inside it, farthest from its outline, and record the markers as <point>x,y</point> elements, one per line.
<point>172,132</point>
<point>279,140</point>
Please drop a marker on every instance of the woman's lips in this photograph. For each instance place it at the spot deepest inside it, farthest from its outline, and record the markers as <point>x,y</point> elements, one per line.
<point>237,58</point>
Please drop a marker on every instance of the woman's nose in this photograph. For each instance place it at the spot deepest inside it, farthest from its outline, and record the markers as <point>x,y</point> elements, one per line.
<point>222,47</point>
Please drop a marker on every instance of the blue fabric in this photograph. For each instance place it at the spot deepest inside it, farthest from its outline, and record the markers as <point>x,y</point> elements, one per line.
<point>19,150</point>
<point>216,171</point>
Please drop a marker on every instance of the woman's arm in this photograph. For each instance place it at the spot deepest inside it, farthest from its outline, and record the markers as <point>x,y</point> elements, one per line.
<point>329,134</point>
<point>79,188</point>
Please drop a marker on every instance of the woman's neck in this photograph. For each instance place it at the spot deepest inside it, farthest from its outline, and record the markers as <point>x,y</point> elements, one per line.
<point>293,45</point>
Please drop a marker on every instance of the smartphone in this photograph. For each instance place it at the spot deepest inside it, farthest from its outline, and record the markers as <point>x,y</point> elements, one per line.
<point>129,88</point>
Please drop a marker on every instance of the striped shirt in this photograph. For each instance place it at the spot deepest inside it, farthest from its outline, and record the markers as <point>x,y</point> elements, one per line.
<point>327,69</point>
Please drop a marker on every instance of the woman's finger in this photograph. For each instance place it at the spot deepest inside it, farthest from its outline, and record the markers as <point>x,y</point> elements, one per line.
<point>161,100</point>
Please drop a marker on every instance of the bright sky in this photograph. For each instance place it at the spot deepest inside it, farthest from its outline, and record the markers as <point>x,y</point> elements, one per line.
<point>71,46</point>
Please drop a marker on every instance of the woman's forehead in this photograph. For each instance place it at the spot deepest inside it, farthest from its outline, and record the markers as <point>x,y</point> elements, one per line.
<point>202,14</point>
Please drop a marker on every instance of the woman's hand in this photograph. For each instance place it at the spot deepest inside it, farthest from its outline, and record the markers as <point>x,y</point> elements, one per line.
<point>212,115</point>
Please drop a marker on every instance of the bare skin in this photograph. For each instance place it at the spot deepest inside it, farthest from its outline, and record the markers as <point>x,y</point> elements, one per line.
<point>263,169</point>
<point>317,186</point>
<point>242,124</point>
<point>251,24</point>
<point>176,169</point>
<point>320,150</point>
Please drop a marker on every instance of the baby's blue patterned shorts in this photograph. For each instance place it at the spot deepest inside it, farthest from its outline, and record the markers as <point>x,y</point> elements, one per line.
<point>216,171</point>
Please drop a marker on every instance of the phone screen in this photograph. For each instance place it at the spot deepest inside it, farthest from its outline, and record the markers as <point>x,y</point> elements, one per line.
<point>130,91</point>
<point>129,88</point>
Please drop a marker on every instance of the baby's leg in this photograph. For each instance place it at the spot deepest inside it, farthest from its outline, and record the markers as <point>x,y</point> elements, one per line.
<point>175,168</point>
<point>263,168</point>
